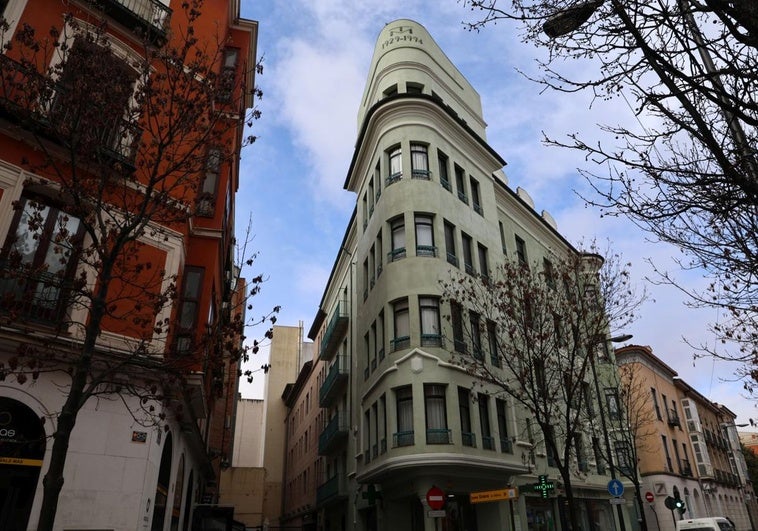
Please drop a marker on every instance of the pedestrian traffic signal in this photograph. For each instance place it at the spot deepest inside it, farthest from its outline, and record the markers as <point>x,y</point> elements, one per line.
<point>679,504</point>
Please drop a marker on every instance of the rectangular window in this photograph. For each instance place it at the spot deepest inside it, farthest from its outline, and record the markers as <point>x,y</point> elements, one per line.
<point>476,200</point>
<point>521,251</point>
<point>402,330</point>
<point>397,230</point>
<point>380,336</point>
<point>468,258</point>
<point>378,180</point>
<point>404,400</point>
<point>192,285</point>
<point>488,441</point>
<point>375,431</point>
<point>483,266</point>
<point>228,75</point>
<point>549,273</point>
<point>506,444</point>
<point>464,411</point>
<point>365,279</point>
<point>492,343</point>
<point>452,256</point>
<point>460,183</point>
<point>383,424</point>
<point>430,322</point>
<point>502,238</point>
<point>206,198</point>
<point>364,203</point>
<point>371,197</point>
<point>436,415</point>
<point>419,162</point>
<point>612,401</point>
<point>624,457</point>
<point>442,162</point>
<point>581,456</point>
<point>655,403</point>
<point>42,245</point>
<point>599,461</point>
<point>456,318</point>
<point>379,255</point>
<point>367,350</point>
<point>425,235</point>
<point>676,455</point>
<point>395,163</point>
<point>476,337</point>
<point>371,266</point>
<point>367,436</point>
<point>374,347</point>
<point>664,442</point>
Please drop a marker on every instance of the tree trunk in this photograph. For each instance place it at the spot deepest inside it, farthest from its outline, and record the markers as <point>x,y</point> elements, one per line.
<point>53,480</point>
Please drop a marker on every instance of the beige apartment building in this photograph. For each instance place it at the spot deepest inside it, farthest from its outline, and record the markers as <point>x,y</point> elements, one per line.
<point>688,448</point>
<point>395,418</point>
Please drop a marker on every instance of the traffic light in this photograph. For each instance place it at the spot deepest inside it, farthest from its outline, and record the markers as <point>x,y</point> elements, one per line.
<point>679,505</point>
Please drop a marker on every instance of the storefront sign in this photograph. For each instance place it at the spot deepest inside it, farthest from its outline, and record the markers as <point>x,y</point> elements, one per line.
<point>494,495</point>
<point>544,486</point>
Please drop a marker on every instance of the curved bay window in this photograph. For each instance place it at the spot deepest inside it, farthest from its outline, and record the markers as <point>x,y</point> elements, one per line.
<point>39,260</point>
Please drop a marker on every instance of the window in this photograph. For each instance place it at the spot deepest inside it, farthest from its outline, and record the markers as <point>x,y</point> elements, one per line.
<point>549,272</point>
<point>442,162</point>
<point>414,88</point>
<point>468,259</point>
<point>506,444</point>
<point>655,404</point>
<point>488,441</point>
<point>468,438</point>
<point>492,341</point>
<point>476,200</point>
<point>502,238</point>
<point>452,257</point>
<point>664,442</point>
<point>395,165</point>
<point>365,279</point>
<point>228,74</point>
<point>430,322</point>
<point>581,456</point>
<point>364,203</point>
<point>587,397</point>
<point>521,251</point>
<point>460,183</point>
<point>367,350</point>
<point>483,267</point>
<point>378,180</point>
<point>404,400</point>
<point>390,91</point>
<point>597,452</point>
<point>371,266</point>
<point>456,318</point>
<point>436,415</point>
<point>42,243</point>
<point>624,457</point>
<point>419,162</point>
<point>367,436</point>
<point>476,336</point>
<point>370,193</point>
<point>100,124</point>
<point>379,254</point>
<point>380,336</point>
<point>612,401</point>
<point>425,236</point>
<point>374,349</point>
<point>206,198</point>
<point>397,230</point>
<point>383,424</point>
<point>402,325</point>
<point>192,285</point>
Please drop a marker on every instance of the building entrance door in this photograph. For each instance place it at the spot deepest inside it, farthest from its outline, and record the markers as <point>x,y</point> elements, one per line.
<point>22,447</point>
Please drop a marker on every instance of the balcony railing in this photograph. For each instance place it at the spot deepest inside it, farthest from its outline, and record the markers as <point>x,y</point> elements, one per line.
<point>334,383</point>
<point>468,439</point>
<point>506,446</point>
<point>47,108</point>
<point>686,468</point>
<point>431,340</point>
<point>331,491</point>
<point>335,331</point>
<point>149,17</point>
<point>452,259</point>
<point>583,465</point>
<point>402,438</point>
<point>488,443</point>
<point>399,343</point>
<point>439,436</point>
<point>421,174</point>
<point>36,296</point>
<point>334,436</point>
<point>673,419</point>
<point>426,250</point>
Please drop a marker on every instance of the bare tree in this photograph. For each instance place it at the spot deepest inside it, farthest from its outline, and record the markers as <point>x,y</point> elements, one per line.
<point>121,161</point>
<point>690,176</point>
<point>543,328</point>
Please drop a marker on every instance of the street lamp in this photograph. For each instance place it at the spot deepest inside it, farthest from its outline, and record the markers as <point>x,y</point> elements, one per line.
<point>569,20</point>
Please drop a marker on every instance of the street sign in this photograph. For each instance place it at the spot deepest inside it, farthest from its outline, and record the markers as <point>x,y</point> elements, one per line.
<point>615,488</point>
<point>543,486</point>
<point>436,514</point>
<point>649,496</point>
<point>435,497</point>
<point>493,495</point>
<point>617,501</point>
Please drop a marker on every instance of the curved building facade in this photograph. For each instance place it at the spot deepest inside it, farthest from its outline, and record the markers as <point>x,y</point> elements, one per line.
<point>401,419</point>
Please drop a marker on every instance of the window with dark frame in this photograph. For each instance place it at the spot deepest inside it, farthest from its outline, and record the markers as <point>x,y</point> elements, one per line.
<point>521,251</point>
<point>435,410</point>
<point>419,162</point>
<point>468,258</point>
<point>397,231</point>
<point>192,285</point>
<point>43,245</point>
<point>429,308</point>
<point>464,411</point>
<point>476,336</point>
<point>206,198</point>
<point>456,318</point>
<point>443,162</point>
<point>460,183</point>
<point>506,443</point>
<point>492,342</point>
<point>228,75</point>
<point>404,402</point>
<point>402,332</point>
<point>395,165</point>
<point>488,441</point>
<point>450,251</point>
<point>476,200</point>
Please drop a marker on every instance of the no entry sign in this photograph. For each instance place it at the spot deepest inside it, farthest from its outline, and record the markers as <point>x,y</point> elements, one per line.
<point>649,496</point>
<point>435,497</point>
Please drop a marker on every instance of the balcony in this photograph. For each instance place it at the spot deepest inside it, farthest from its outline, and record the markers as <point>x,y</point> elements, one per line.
<point>335,382</point>
<point>426,250</point>
<point>48,109</point>
<point>673,419</point>
<point>400,343</point>
<point>149,18</point>
<point>506,446</point>
<point>468,439</point>
<point>583,465</point>
<point>488,443</point>
<point>333,490</point>
<point>439,436</point>
<point>426,175</point>
<point>686,468</point>
<point>335,331</point>
<point>334,436</point>
<point>36,296</point>
<point>431,340</point>
<point>403,438</point>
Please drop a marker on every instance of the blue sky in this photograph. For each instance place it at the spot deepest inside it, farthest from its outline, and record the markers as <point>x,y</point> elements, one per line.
<point>317,55</point>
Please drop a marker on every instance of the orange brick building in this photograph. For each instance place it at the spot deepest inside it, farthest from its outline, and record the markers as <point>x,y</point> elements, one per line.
<point>120,135</point>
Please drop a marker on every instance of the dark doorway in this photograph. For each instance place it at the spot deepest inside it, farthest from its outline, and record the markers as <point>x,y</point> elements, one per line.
<point>22,447</point>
